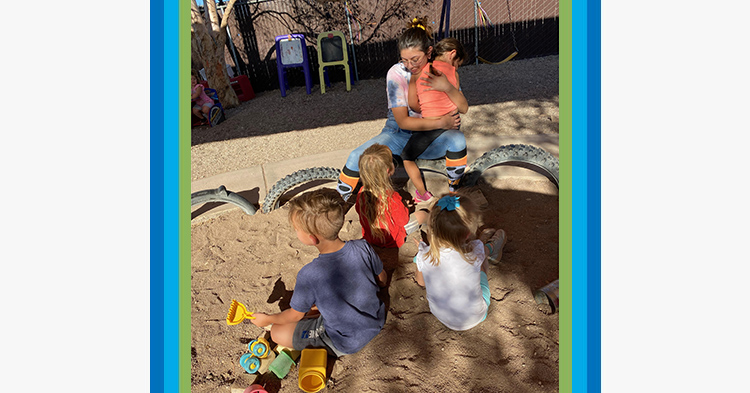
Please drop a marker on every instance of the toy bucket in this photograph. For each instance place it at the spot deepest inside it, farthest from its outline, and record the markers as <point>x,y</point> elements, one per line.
<point>312,369</point>
<point>547,297</point>
<point>255,388</point>
<point>281,365</point>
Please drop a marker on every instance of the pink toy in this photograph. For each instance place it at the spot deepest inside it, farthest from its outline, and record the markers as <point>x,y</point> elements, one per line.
<point>255,388</point>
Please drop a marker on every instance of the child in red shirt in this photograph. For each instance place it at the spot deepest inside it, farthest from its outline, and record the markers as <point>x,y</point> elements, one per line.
<point>382,213</point>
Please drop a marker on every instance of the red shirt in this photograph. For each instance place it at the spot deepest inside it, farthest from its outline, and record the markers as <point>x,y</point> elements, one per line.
<point>395,234</point>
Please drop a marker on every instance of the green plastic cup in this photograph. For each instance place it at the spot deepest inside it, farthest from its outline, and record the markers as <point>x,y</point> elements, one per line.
<point>281,365</point>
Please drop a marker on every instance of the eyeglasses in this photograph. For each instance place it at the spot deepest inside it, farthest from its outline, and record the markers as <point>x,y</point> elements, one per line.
<point>412,62</point>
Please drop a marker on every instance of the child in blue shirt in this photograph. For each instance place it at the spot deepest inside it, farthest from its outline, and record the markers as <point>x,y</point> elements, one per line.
<point>342,282</point>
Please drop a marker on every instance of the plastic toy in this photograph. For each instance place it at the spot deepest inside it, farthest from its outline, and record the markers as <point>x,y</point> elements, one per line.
<point>250,363</point>
<point>259,347</point>
<point>237,313</point>
<point>255,388</point>
<point>312,369</point>
<point>282,364</point>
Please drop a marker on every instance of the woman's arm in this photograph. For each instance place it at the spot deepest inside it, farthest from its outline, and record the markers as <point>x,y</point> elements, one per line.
<point>413,97</point>
<point>447,122</point>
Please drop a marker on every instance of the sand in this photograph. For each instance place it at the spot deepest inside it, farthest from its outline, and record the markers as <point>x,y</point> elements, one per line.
<point>255,259</point>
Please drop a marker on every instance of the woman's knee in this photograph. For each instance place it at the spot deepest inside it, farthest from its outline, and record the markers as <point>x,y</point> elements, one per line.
<point>454,140</point>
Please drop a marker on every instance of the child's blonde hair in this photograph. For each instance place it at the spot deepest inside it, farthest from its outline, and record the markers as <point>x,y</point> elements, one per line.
<point>319,212</point>
<point>448,44</point>
<point>375,168</point>
<point>451,228</point>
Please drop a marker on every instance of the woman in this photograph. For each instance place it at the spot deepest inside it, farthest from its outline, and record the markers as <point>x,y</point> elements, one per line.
<point>414,46</point>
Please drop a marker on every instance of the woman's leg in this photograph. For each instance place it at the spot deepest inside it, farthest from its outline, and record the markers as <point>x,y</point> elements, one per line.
<point>451,145</point>
<point>390,136</point>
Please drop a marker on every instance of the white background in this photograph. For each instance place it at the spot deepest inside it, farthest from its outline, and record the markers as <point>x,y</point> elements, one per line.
<point>675,206</point>
<point>74,201</point>
<point>675,209</point>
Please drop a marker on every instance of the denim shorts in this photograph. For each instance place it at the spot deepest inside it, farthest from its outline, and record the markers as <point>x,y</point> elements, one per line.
<point>311,333</point>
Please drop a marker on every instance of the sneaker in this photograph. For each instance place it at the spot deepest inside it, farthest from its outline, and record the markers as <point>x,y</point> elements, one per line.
<point>419,198</point>
<point>496,244</point>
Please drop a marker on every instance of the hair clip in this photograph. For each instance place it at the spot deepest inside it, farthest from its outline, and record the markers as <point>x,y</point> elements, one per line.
<point>449,202</point>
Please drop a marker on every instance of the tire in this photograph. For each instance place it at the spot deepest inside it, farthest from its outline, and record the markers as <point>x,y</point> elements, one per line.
<point>221,194</point>
<point>271,202</point>
<point>525,156</point>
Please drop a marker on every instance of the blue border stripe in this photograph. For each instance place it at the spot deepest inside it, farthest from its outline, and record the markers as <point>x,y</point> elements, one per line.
<point>156,339</point>
<point>579,216</point>
<point>171,210</point>
<point>594,195</point>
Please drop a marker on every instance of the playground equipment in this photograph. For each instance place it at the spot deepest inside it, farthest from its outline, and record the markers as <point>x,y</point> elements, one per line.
<point>291,52</point>
<point>480,18</point>
<point>525,156</point>
<point>332,51</point>
<point>222,195</point>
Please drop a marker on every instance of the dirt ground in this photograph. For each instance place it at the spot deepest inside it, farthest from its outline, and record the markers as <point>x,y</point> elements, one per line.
<point>255,259</point>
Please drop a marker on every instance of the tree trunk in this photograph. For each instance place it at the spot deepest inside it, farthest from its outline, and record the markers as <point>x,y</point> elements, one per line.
<point>209,38</point>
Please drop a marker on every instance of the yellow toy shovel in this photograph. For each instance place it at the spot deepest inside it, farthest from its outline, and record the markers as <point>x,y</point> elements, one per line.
<point>237,313</point>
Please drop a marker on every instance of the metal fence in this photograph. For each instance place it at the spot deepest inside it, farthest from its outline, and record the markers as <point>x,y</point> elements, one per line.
<point>492,31</point>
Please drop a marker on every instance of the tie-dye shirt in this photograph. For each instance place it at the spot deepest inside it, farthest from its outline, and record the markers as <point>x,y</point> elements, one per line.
<point>397,88</point>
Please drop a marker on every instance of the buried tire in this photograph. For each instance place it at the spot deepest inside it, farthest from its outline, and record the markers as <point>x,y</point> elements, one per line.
<point>223,195</point>
<point>525,156</point>
<point>271,202</point>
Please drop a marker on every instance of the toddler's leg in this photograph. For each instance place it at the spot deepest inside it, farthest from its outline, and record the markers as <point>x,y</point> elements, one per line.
<point>416,220</point>
<point>283,334</point>
<point>416,178</point>
<point>197,112</point>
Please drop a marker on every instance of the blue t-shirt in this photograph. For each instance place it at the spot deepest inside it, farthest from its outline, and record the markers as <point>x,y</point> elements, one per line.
<point>344,287</point>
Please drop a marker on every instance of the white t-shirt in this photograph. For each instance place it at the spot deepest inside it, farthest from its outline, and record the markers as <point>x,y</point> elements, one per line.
<point>453,290</point>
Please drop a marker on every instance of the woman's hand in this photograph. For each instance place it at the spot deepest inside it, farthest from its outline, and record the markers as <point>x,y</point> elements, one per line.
<point>450,121</point>
<point>437,81</point>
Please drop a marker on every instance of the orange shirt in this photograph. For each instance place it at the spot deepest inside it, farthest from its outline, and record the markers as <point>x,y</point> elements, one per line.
<point>436,103</point>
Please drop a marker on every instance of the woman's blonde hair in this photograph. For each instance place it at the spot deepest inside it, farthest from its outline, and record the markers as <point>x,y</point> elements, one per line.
<point>375,168</point>
<point>451,228</point>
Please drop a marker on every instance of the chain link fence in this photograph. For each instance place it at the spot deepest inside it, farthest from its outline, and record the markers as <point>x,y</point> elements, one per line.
<point>492,31</point>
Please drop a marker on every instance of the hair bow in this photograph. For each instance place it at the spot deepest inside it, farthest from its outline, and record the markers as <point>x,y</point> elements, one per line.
<point>449,202</point>
<point>415,20</point>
